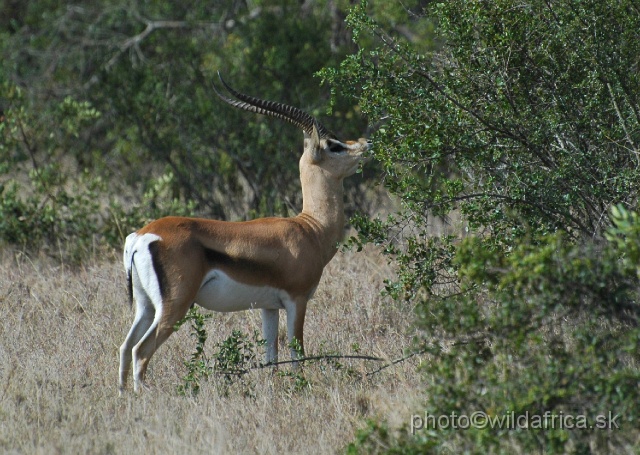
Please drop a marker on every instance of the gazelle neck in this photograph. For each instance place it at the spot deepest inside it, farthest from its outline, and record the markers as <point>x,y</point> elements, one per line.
<point>322,201</point>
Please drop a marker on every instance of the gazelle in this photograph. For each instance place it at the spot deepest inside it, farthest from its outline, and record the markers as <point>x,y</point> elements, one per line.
<point>267,263</point>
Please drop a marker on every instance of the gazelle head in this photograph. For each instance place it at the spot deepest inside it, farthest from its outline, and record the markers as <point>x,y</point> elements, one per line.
<point>338,159</point>
<point>321,147</point>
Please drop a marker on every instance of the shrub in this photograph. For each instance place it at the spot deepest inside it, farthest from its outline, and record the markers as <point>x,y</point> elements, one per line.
<point>521,118</point>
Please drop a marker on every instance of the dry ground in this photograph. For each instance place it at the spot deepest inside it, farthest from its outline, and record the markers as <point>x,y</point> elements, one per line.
<point>59,342</point>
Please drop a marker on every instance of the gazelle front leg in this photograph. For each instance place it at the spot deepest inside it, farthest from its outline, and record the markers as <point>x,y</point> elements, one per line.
<point>295,324</point>
<point>270,319</point>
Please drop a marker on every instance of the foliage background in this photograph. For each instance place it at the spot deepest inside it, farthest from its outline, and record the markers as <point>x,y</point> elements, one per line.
<point>109,110</point>
<point>522,119</point>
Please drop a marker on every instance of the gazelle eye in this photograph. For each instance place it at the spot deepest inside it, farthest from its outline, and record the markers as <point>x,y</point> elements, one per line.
<point>336,147</point>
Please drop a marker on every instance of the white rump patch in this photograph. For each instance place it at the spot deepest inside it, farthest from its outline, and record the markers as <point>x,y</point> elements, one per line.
<point>138,262</point>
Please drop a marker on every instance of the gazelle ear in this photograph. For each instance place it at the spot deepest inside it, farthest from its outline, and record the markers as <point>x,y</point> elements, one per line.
<point>316,149</point>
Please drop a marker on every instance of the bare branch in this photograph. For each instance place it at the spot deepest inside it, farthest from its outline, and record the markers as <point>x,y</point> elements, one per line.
<point>151,26</point>
<point>634,148</point>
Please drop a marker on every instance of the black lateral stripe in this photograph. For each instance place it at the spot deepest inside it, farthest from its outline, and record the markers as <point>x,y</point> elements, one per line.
<point>217,258</point>
<point>157,267</point>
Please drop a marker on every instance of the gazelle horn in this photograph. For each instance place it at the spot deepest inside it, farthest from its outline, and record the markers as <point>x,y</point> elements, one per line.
<point>285,112</point>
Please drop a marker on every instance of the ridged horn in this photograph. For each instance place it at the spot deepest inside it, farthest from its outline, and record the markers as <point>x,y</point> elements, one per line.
<point>284,112</point>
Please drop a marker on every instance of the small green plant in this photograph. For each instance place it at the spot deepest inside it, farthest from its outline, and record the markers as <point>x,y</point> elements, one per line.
<point>298,380</point>
<point>236,355</point>
<point>232,358</point>
<point>198,368</point>
<point>297,347</point>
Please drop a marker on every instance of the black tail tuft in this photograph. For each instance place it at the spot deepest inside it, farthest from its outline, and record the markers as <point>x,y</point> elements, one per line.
<point>130,287</point>
<point>130,281</point>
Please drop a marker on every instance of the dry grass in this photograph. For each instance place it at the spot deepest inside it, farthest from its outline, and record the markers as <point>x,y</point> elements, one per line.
<point>59,344</point>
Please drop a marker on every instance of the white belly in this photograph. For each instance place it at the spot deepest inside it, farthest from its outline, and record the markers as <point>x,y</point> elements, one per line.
<point>219,292</point>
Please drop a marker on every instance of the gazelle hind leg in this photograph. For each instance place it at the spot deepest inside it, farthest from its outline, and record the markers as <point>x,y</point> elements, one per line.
<point>142,353</point>
<point>160,329</point>
<point>145,314</point>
